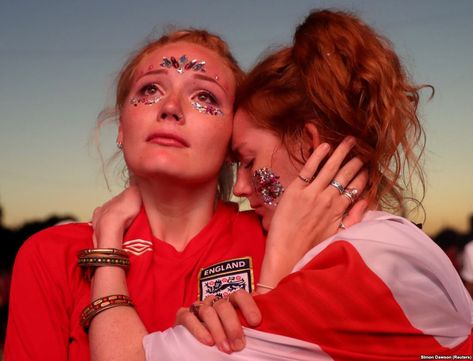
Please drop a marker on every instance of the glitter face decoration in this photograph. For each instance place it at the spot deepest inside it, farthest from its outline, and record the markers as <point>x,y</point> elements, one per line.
<point>183,64</point>
<point>267,185</point>
<point>147,100</point>
<point>207,109</point>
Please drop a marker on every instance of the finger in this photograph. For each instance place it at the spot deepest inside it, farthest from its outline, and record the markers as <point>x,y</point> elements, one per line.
<point>246,303</point>
<point>356,213</point>
<point>345,175</point>
<point>187,319</point>
<point>231,324</point>
<point>331,167</point>
<point>359,207</point>
<point>96,216</point>
<point>211,319</point>
<point>312,164</point>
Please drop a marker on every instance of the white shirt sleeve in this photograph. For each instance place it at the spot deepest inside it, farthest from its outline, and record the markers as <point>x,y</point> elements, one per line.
<point>177,344</point>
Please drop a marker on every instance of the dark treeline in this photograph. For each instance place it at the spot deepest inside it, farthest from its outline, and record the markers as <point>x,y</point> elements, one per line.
<point>453,242</point>
<point>11,240</point>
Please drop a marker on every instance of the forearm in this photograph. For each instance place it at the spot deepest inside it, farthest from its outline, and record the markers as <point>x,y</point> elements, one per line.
<point>116,333</point>
<point>275,266</point>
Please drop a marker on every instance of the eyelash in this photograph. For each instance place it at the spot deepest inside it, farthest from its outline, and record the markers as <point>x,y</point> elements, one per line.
<point>248,164</point>
<point>212,98</point>
<point>144,90</point>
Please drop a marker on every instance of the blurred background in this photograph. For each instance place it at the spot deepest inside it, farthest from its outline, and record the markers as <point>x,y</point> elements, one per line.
<point>59,60</point>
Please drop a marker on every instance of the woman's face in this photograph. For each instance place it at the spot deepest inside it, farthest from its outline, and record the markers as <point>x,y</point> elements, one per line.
<point>265,166</point>
<point>176,122</point>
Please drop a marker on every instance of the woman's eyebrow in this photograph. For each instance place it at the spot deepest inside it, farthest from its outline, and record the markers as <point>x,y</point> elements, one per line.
<point>210,79</point>
<point>152,72</point>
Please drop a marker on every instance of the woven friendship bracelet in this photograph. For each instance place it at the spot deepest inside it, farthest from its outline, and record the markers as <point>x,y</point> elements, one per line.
<point>107,251</point>
<point>101,304</point>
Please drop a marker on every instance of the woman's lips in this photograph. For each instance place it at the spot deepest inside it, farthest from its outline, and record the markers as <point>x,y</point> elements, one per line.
<point>167,139</point>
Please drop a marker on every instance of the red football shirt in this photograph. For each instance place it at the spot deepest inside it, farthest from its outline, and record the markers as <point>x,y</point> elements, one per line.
<point>48,292</point>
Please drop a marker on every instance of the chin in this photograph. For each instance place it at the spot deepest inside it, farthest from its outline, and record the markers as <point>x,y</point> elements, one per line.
<point>266,222</point>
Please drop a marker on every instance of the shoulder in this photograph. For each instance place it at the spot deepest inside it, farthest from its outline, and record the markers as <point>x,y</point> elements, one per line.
<point>58,240</point>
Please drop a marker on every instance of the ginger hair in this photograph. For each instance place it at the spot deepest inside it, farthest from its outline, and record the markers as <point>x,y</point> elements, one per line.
<point>346,79</point>
<point>195,36</point>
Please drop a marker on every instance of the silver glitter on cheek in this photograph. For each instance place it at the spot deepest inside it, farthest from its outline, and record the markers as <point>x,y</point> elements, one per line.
<point>145,100</point>
<point>267,185</point>
<point>207,109</point>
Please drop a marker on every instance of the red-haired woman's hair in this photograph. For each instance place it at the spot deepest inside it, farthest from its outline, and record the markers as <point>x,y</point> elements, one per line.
<point>195,36</point>
<point>346,79</point>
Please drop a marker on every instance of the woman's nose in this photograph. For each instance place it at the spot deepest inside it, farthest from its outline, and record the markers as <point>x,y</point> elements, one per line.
<point>243,186</point>
<point>171,109</point>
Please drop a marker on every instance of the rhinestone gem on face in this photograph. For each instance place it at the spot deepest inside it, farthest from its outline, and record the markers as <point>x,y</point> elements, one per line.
<point>183,64</point>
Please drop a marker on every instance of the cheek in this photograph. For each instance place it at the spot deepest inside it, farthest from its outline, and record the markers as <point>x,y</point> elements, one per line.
<point>267,186</point>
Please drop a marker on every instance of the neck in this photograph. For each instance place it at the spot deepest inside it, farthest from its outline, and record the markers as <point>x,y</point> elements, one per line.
<point>177,212</point>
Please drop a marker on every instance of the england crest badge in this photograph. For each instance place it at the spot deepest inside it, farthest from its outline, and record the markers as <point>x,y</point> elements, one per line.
<point>225,277</point>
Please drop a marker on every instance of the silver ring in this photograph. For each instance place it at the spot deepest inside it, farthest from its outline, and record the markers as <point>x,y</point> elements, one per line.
<point>304,179</point>
<point>336,184</point>
<point>341,226</point>
<point>351,194</point>
<point>216,299</point>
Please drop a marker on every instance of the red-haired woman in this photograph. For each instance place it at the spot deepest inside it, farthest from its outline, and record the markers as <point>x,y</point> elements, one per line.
<point>379,290</point>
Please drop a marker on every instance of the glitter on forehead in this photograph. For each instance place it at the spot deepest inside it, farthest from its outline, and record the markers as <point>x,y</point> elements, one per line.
<point>183,64</point>
<point>207,109</point>
<point>267,185</point>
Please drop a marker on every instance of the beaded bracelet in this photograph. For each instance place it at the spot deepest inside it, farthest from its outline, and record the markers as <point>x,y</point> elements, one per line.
<point>108,251</point>
<point>101,304</point>
<point>103,261</point>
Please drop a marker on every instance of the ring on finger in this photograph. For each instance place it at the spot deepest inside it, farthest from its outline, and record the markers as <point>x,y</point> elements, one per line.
<point>304,179</point>
<point>194,308</point>
<point>338,185</point>
<point>351,194</point>
<point>215,300</point>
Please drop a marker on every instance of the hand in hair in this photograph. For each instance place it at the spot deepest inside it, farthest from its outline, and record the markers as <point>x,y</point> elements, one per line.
<point>309,213</point>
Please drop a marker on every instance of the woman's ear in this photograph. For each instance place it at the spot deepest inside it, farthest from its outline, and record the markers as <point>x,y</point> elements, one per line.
<point>310,139</point>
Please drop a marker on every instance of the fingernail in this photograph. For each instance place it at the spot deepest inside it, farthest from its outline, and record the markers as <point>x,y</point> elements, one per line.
<point>208,340</point>
<point>324,146</point>
<point>350,140</point>
<point>238,344</point>
<point>225,347</point>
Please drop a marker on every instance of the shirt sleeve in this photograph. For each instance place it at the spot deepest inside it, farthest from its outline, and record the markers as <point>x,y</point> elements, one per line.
<point>177,344</point>
<point>38,319</point>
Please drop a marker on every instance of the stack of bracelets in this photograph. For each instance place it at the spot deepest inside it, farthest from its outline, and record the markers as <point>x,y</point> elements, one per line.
<point>89,259</point>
